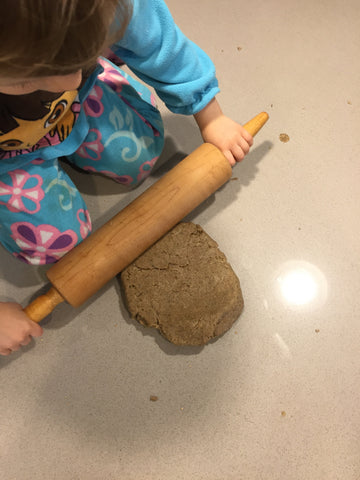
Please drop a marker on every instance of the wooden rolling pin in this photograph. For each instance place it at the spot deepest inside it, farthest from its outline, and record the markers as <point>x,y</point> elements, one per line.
<point>106,252</point>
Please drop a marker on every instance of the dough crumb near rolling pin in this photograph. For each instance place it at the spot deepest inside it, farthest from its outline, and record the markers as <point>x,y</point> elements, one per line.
<point>184,287</point>
<point>284,137</point>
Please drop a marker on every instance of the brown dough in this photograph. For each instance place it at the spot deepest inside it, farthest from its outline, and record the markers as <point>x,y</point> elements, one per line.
<point>184,287</point>
<point>284,137</point>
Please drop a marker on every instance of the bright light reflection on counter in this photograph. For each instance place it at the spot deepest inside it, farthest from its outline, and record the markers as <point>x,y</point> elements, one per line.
<point>301,284</point>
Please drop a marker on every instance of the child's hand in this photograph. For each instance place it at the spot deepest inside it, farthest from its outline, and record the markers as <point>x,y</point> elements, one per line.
<point>16,329</point>
<point>230,137</point>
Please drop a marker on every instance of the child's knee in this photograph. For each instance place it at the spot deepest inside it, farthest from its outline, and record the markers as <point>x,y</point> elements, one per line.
<point>45,243</point>
<point>146,162</point>
<point>44,217</point>
<point>125,141</point>
<point>127,157</point>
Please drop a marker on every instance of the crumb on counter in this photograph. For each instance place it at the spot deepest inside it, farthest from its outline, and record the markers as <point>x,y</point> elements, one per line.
<point>284,137</point>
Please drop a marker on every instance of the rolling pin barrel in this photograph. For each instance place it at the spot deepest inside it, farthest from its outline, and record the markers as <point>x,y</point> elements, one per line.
<point>106,252</point>
<point>89,266</point>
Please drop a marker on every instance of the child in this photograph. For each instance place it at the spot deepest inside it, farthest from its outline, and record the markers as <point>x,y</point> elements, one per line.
<point>60,97</point>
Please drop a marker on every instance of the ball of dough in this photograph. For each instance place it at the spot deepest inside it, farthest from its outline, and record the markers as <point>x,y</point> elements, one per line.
<point>184,287</point>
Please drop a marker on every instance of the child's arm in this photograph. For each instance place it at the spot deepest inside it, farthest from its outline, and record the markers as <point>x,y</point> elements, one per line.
<point>156,50</point>
<point>216,128</point>
<point>16,329</point>
<point>182,74</point>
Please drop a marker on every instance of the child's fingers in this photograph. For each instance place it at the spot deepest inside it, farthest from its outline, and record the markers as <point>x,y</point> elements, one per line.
<point>5,351</point>
<point>248,137</point>
<point>238,153</point>
<point>15,347</point>
<point>26,341</point>
<point>35,330</point>
<point>239,149</point>
<point>245,145</point>
<point>230,157</point>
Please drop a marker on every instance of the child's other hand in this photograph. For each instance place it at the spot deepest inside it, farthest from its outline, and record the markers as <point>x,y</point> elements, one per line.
<point>16,329</point>
<point>223,132</point>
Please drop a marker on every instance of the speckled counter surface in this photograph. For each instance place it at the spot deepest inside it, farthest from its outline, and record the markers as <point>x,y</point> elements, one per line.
<point>277,397</point>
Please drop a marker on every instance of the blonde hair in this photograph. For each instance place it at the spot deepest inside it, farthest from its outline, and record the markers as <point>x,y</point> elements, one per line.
<point>57,37</point>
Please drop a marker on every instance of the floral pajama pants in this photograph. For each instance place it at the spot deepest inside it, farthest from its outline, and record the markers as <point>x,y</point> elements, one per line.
<point>42,214</point>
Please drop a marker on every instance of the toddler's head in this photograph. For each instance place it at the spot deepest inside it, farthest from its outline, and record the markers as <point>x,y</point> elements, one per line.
<point>41,38</point>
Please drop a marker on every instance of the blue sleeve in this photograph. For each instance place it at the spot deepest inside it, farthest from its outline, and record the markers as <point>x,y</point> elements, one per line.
<point>157,51</point>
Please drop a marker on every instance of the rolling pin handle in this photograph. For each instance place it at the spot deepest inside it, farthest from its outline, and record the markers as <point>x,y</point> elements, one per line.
<point>43,305</point>
<point>256,123</point>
